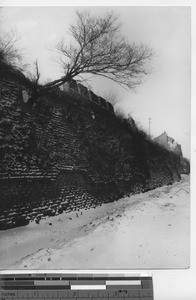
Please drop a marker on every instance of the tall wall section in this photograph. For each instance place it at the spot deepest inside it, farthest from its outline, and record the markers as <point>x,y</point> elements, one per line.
<point>62,151</point>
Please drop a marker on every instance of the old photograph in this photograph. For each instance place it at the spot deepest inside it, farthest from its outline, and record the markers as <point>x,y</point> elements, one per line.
<point>95,137</point>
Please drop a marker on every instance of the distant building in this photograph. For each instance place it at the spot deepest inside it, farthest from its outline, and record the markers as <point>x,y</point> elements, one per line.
<point>169,143</point>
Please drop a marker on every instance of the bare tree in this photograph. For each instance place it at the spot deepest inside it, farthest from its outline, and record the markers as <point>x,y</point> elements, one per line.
<point>99,49</point>
<point>35,76</point>
<point>9,53</point>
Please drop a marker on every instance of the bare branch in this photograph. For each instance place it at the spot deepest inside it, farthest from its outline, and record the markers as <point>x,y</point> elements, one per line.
<point>37,72</point>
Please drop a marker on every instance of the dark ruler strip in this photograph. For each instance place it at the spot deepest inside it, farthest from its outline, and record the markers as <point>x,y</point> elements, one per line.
<point>101,276</point>
<point>147,284</point>
<point>18,283</point>
<point>52,278</point>
<point>19,287</point>
<point>52,287</point>
<point>41,287</point>
<point>69,276</point>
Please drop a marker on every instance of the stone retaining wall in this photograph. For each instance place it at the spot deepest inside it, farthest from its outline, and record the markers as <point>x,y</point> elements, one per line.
<point>66,153</point>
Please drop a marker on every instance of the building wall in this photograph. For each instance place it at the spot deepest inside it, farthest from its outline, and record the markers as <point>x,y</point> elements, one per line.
<point>162,139</point>
<point>169,143</point>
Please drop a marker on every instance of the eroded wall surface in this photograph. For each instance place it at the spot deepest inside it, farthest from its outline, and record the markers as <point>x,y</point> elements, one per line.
<point>62,152</point>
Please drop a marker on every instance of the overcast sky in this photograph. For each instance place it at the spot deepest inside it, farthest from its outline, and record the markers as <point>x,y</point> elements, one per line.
<point>164,96</point>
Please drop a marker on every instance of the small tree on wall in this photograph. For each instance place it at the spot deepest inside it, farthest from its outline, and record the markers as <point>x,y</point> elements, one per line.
<point>35,74</point>
<point>9,53</point>
<point>99,49</point>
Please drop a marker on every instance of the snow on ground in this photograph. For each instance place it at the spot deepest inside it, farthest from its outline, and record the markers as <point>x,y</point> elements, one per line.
<point>149,230</point>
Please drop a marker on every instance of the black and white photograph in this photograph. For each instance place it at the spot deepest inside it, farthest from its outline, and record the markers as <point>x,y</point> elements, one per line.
<point>95,122</point>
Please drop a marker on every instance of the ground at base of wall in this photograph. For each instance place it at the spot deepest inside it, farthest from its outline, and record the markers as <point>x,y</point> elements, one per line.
<point>128,233</point>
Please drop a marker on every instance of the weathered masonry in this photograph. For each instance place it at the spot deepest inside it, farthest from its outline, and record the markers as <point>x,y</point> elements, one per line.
<point>67,150</point>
